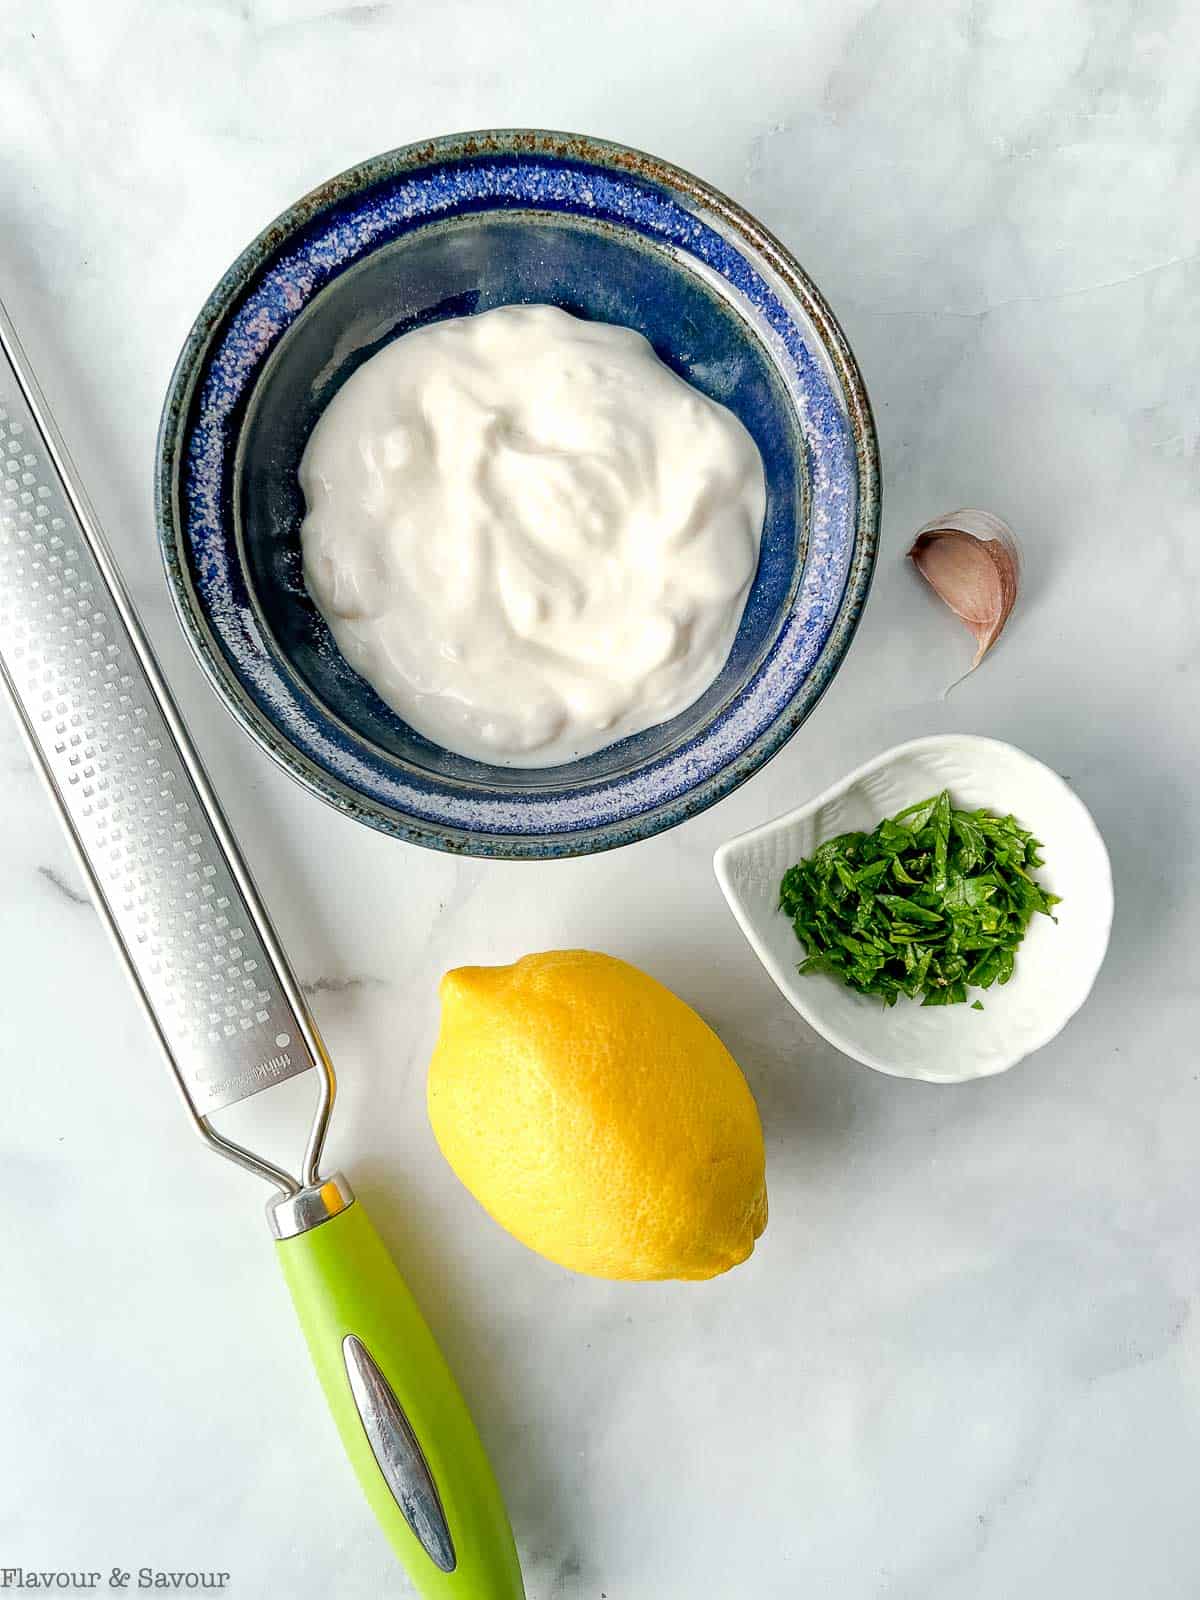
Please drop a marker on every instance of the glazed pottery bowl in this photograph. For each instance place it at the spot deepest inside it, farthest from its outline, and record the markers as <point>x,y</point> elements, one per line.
<point>1056,964</point>
<point>448,228</point>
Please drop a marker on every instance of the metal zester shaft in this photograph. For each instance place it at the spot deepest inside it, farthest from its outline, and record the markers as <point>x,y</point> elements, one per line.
<point>163,867</point>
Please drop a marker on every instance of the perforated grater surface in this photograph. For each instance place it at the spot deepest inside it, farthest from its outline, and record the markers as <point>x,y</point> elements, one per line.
<point>162,865</point>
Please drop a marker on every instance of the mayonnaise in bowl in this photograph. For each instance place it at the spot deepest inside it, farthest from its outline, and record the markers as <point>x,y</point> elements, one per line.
<point>528,534</point>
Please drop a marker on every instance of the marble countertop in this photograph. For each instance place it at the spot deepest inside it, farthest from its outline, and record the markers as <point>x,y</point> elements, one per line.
<point>965,1358</point>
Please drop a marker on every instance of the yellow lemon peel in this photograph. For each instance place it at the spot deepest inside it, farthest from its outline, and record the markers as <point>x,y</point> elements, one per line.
<point>597,1118</point>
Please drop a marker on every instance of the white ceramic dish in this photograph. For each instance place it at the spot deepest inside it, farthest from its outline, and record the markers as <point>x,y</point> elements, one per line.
<point>1056,965</point>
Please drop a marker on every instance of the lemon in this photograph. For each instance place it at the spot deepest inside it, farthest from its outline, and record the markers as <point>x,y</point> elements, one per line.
<point>597,1118</point>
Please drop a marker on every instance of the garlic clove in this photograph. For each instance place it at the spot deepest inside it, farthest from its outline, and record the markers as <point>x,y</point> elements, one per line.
<point>970,559</point>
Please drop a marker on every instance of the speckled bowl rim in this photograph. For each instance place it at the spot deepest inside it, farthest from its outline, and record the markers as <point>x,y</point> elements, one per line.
<point>764,251</point>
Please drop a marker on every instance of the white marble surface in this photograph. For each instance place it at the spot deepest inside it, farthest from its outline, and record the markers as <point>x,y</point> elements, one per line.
<point>965,1359</point>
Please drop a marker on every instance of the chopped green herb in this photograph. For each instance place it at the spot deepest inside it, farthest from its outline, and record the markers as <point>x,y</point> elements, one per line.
<point>932,903</point>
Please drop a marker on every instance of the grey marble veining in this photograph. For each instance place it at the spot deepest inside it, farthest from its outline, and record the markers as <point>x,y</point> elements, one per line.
<point>964,1362</point>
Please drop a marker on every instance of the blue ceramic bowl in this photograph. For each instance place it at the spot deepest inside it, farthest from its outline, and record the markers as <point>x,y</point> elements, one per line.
<point>459,225</point>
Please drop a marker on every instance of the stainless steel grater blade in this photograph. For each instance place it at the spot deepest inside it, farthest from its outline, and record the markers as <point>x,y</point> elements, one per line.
<point>162,864</point>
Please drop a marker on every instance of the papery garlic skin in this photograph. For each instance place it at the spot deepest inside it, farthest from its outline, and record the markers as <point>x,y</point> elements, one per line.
<point>972,562</point>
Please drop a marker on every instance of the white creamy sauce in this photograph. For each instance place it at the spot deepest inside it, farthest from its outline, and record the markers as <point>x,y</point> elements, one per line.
<point>528,534</point>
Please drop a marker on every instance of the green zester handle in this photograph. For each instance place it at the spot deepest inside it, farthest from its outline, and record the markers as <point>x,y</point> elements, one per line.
<point>442,1509</point>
